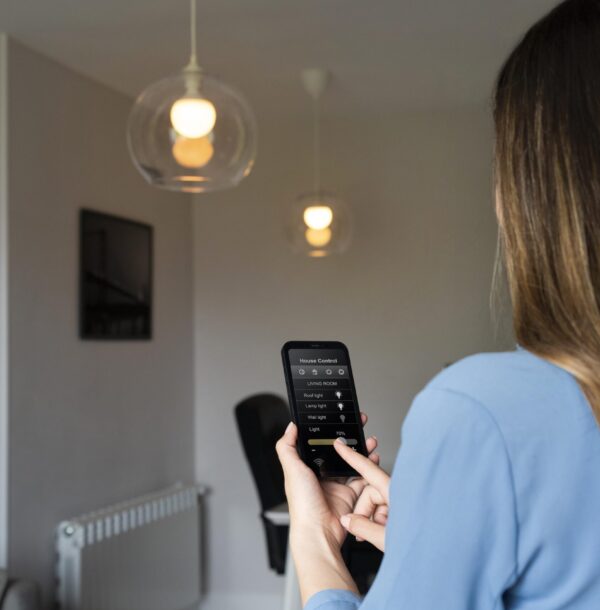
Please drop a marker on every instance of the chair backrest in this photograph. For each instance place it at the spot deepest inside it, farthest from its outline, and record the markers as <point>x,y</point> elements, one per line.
<point>261,420</point>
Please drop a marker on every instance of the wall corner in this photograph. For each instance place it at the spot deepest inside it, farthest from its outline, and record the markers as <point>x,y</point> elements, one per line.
<point>4,329</point>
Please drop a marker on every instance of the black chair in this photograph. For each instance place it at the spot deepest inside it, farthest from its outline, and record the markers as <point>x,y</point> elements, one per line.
<point>261,420</point>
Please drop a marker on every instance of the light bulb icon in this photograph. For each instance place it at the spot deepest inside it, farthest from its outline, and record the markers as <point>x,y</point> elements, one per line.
<point>338,394</point>
<point>340,406</point>
<point>343,418</point>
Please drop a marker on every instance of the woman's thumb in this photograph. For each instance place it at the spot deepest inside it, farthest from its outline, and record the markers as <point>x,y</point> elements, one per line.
<point>364,528</point>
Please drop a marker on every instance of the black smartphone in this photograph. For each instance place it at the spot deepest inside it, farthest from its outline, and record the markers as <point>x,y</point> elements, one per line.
<point>323,403</point>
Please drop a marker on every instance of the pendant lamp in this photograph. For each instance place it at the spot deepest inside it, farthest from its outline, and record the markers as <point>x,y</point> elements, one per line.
<point>319,222</point>
<point>192,132</point>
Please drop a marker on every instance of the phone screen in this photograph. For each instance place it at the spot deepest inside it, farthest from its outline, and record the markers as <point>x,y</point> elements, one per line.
<point>324,403</point>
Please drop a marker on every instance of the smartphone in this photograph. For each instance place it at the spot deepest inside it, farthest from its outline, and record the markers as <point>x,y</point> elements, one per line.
<point>323,404</point>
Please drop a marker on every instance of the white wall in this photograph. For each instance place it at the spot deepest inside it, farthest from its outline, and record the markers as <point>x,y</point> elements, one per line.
<point>3,301</point>
<point>409,296</point>
<point>91,423</point>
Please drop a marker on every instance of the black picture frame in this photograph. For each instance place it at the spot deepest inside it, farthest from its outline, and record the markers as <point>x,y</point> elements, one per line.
<point>115,277</point>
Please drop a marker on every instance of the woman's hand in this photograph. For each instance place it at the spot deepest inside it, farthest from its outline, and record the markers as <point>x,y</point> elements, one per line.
<point>368,519</point>
<point>316,532</point>
<point>316,505</point>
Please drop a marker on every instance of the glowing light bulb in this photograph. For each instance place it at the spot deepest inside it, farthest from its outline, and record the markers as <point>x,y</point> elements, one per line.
<point>318,217</point>
<point>193,152</point>
<point>318,238</point>
<point>193,117</point>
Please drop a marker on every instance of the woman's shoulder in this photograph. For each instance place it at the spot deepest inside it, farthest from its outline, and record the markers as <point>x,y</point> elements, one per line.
<point>509,385</point>
<point>478,371</point>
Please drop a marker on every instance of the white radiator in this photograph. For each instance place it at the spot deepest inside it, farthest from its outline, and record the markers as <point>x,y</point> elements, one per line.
<point>139,555</point>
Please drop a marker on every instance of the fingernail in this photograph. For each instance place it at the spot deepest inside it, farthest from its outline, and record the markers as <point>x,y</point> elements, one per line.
<point>375,437</point>
<point>345,520</point>
<point>341,441</point>
<point>289,426</point>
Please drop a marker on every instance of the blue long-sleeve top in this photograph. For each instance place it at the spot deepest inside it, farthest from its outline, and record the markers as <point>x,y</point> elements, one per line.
<point>495,495</point>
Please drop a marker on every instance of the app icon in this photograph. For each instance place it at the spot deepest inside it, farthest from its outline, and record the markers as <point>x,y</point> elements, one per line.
<point>301,372</point>
<point>340,371</point>
<point>328,371</point>
<point>315,372</point>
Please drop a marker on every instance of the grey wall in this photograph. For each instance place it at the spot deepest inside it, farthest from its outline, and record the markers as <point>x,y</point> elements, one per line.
<point>3,303</point>
<point>409,296</point>
<point>91,423</point>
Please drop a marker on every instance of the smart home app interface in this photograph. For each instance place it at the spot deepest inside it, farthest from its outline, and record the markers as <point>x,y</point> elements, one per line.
<point>325,405</point>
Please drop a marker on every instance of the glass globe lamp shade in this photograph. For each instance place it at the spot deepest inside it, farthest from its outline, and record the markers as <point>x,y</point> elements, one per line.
<point>168,138</point>
<point>319,225</point>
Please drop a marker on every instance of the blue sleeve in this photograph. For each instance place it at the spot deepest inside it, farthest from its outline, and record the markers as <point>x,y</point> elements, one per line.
<point>451,538</point>
<point>333,599</point>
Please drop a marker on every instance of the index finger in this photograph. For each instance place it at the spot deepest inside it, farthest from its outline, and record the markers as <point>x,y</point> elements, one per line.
<point>374,475</point>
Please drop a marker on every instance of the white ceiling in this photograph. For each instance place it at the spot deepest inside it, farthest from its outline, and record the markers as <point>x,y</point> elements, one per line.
<point>384,54</point>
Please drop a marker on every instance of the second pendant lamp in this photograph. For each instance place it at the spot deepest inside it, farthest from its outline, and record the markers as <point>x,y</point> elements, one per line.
<point>319,222</point>
<point>191,132</point>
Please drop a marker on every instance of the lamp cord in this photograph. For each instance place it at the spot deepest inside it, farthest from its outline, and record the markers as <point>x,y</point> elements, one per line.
<point>193,57</point>
<point>316,148</point>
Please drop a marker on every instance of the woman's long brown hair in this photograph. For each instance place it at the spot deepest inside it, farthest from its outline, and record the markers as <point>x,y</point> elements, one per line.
<point>547,167</point>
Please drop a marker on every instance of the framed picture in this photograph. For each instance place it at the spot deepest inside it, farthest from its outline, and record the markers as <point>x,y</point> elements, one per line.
<point>115,278</point>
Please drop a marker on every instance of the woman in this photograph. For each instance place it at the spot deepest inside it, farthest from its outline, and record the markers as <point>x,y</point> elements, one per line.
<point>495,498</point>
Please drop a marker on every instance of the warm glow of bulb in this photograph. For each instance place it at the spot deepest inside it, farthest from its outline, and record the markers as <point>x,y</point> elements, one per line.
<point>193,117</point>
<point>318,217</point>
<point>193,152</point>
<point>318,238</point>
